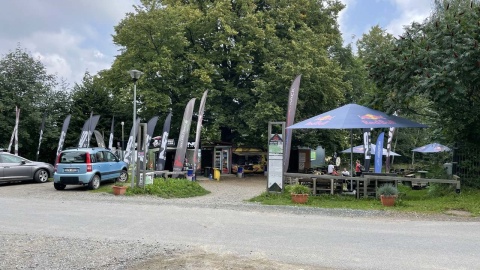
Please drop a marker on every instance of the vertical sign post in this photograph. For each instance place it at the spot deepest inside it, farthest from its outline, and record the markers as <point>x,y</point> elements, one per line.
<point>276,146</point>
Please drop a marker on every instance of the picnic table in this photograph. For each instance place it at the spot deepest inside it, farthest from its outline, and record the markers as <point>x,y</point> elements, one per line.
<point>366,185</point>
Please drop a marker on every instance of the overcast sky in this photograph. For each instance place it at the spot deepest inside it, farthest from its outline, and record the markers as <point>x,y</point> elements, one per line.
<point>74,36</point>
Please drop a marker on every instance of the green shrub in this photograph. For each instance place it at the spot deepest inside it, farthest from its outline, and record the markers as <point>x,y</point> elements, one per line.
<point>440,189</point>
<point>298,189</point>
<point>170,188</point>
<point>387,190</point>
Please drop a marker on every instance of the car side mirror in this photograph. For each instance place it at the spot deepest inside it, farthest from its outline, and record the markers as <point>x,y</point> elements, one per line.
<point>23,162</point>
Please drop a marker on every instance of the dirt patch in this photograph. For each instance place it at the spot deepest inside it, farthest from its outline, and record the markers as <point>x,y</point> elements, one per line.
<point>196,260</point>
<point>460,213</point>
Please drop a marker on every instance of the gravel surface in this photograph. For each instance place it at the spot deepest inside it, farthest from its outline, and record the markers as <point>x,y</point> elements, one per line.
<point>28,251</point>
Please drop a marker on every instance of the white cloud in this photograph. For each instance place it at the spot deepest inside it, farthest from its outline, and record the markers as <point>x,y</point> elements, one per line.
<point>410,11</point>
<point>98,54</point>
<point>64,53</point>
<point>348,31</point>
<point>69,37</point>
<point>391,15</point>
<point>55,64</point>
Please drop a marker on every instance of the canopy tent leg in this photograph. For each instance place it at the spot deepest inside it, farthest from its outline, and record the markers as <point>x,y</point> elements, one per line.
<point>413,157</point>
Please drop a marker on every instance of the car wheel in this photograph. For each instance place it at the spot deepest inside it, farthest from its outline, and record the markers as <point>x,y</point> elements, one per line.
<point>41,176</point>
<point>123,176</point>
<point>59,186</point>
<point>95,182</point>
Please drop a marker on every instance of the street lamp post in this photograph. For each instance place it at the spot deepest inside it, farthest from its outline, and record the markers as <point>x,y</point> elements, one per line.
<point>123,142</point>
<point>135,74</point>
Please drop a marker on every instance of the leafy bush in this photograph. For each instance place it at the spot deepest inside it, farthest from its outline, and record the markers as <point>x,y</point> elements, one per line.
<point>298,189</point>
<point>440,189</point>
<point>170,188</point>
<point>387,190</point>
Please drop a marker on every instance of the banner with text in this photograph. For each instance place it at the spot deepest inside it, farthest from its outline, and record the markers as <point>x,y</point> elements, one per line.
<point>66,122</point>
<point>183,138</point>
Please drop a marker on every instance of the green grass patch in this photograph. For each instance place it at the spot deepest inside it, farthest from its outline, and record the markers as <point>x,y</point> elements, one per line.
<point>419,201</point>
<point>165,188</point>
<point>170,188</point>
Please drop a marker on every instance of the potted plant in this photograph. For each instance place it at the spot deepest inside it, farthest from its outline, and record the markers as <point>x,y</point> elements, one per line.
<point>119,188</point>
<point>299,193</point>
<point>388,194</point>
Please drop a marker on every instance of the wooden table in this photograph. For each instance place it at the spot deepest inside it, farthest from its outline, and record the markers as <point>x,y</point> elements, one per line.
<point>365,180</point>
<point>315,180</point>
<point>319,178</point>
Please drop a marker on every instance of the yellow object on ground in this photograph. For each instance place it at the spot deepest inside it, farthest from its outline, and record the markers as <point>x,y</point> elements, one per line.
<point>216,174</point>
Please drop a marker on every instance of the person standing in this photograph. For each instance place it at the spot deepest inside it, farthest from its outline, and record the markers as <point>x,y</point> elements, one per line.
<point>330,168</point>
<point>358,168</point>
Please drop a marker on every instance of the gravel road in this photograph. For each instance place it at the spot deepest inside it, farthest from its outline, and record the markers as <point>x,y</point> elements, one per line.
<point>45,249</point>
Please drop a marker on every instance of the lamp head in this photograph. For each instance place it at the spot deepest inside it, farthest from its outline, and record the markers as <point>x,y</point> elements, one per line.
<point>123,123</point>
<point>135,74</point>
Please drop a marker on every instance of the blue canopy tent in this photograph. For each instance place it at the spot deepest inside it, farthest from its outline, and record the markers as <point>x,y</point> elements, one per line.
<point>360,149</point>
<point>430,148</point>
<point>354,116</point>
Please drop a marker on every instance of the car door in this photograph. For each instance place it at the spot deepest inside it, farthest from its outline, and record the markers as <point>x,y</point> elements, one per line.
<point>1,168</point>
<point>114,166</point>
<point>101,165</point>
<point>15,168</point>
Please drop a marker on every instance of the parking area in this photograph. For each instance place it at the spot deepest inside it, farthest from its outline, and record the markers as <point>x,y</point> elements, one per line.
<point>229,190</point>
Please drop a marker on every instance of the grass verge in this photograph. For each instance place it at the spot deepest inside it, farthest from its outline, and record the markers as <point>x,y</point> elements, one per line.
<point>161,187</point>
<point>433,200</point>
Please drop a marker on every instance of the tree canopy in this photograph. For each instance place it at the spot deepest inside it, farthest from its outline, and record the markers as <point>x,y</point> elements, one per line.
<point>433,69</point>
<point>246,53</point>
<point>25,83</point>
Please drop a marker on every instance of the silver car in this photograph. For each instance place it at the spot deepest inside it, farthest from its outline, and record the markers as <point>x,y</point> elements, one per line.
<point>14,168</point>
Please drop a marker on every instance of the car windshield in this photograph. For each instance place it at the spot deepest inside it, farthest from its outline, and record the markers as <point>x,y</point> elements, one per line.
<point>72,157</point>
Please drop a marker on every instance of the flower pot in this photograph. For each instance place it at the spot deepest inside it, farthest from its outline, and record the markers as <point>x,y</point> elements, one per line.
<point>299,198</point>
<point>388,200</point>
<point>119,190</point>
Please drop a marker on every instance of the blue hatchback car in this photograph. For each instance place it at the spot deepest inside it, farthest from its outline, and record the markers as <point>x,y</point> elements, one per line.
<point>88,167</point>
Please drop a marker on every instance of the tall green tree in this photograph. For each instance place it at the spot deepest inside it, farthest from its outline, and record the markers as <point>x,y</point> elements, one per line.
<point>89,96</point>
<point>25,83</point>
<point>356,75</point>
<point>436,62</point>
<point>370,46</point>
<point>246,53</point>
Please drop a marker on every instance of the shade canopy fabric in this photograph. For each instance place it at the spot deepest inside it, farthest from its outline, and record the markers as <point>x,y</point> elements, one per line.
<point>360,149</point>
<point>354,116</point>
<point>431,148</point>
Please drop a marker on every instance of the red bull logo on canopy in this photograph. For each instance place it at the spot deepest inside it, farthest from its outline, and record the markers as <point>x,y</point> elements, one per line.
<point>372,119</point>
<point>321,120</point>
